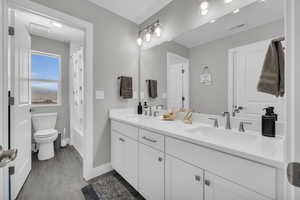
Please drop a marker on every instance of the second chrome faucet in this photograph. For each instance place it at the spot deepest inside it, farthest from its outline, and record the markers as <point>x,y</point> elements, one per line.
<point>227,120</point>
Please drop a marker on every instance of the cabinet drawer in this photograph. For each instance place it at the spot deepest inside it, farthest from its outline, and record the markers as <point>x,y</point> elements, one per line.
<point>152,139</point>
<point>252,175</point>
<point>125,129</point>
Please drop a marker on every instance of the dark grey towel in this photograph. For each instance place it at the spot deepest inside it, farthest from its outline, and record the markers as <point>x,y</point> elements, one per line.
<point>152,88</point>
<point>272,76</point>
<point>126,87</point>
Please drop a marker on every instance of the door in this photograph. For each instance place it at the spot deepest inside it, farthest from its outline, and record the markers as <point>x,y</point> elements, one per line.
<point>183,181</point>
<point>20,137</point>
<point>217,188</point>
<point>178,86</point>
<point>293,98</point>
<point>151,173</point>
<point>247,65</point>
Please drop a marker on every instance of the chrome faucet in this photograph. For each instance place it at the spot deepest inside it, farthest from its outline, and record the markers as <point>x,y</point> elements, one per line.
<point>216,123</point>
<point>236,109</point>
<point>227,120</point>
<point>241,127</point>
<point>150,111</point>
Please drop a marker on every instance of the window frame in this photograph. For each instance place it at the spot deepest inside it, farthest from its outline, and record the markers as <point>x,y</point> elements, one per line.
<point>59,81</point>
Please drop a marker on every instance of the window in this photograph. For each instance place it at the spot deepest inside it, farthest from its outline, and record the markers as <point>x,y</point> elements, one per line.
<point>45,79</point>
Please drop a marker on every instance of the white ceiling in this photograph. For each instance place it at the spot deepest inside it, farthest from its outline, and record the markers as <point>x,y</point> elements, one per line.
<point>136,11</point>
<point>253,15</point>
<point>41,26</point>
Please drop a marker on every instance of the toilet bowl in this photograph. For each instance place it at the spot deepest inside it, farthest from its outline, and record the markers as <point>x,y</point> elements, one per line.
<point>45,134</point>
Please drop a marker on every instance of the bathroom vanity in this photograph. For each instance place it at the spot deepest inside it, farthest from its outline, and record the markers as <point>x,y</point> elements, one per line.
<point>171,160</point>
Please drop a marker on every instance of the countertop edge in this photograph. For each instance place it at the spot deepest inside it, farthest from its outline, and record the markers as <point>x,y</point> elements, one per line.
<point>244,155</point>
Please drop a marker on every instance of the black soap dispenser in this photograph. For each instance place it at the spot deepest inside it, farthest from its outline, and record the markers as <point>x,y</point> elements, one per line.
<point>140,108</point>
<point>269,122</point>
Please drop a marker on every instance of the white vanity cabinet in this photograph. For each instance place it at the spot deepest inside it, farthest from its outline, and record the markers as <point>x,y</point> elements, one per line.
<point>183,181</point>
<point>217,188</point>
<point>124,157</point>
<point>151,173</point>
<point>161,167</point>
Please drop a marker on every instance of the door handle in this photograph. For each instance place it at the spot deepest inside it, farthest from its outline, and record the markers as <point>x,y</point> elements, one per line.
<point>7,156</point>
<point>293,174</point>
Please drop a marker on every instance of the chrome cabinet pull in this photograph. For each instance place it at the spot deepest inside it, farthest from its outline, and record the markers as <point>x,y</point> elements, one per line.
<point>207,182</point>
<point>198,178</point>
<point>121,139</point>
<point>150,140</point>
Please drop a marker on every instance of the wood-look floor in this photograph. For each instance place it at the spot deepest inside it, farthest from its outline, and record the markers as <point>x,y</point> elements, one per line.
<point>57,179</point>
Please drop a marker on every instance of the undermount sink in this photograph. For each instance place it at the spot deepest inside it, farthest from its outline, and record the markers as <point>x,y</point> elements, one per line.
<point>224,134</point>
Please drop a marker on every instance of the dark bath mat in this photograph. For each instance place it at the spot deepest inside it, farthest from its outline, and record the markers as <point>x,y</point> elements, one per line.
<point>110,187</point>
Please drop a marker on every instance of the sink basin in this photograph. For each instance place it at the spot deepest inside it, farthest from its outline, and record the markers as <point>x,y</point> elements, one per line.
<point>223,135</point>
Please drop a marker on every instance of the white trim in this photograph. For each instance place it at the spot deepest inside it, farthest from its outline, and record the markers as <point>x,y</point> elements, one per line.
<point>292,92</point>
<point>3,95</point>
<point>58,16</point>
<point>100,170</point>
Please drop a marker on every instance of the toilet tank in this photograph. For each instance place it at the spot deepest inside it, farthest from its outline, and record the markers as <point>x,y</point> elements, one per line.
<point>43,121</point>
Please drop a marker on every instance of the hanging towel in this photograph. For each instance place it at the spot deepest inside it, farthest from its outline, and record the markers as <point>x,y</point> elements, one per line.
<point>152,88</point>
<point>126,87</point>
<point>272,76</point>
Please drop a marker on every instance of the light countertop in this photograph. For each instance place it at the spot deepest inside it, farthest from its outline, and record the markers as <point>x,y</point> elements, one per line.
<point>249,145</point>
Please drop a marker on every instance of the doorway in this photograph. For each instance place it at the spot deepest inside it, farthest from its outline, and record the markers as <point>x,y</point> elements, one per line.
<point>21,82</point>
<point>177,82</point>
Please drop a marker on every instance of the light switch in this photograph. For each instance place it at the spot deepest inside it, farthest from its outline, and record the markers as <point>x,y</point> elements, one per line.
<point>99,94</point>
<point>164,95</point>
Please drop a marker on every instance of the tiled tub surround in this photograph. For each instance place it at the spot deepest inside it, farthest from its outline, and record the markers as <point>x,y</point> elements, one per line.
<point>224,162</point>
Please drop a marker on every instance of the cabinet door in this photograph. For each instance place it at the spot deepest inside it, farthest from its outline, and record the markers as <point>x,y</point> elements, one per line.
<point>183,181</point>
<point>117,149</point>
<point>217,188</point>
<point>151,173</point>
<point>131,161</point>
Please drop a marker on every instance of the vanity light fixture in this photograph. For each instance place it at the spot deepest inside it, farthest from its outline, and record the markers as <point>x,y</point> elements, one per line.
<point>146,34</point>
<point>227,1</point>
<point>139,41</point>
<point>204,7</point>
<point>157,30</point>
<point>236,11</point>
<point>57,24</point>
<point>148,37</point>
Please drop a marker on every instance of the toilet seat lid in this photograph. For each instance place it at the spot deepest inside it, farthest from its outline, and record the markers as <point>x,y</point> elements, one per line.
<point>45,133</point>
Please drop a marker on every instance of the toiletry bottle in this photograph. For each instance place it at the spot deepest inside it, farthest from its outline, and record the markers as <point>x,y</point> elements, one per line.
<point>269,122</point>
<point>140,108</point>
<point>145,105</point>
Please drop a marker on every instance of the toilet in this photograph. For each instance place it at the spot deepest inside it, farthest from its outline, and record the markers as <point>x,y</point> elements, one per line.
<point>45,134</point>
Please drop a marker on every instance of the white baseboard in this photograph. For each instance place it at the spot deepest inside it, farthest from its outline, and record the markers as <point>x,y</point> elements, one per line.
<point>100,170</point>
